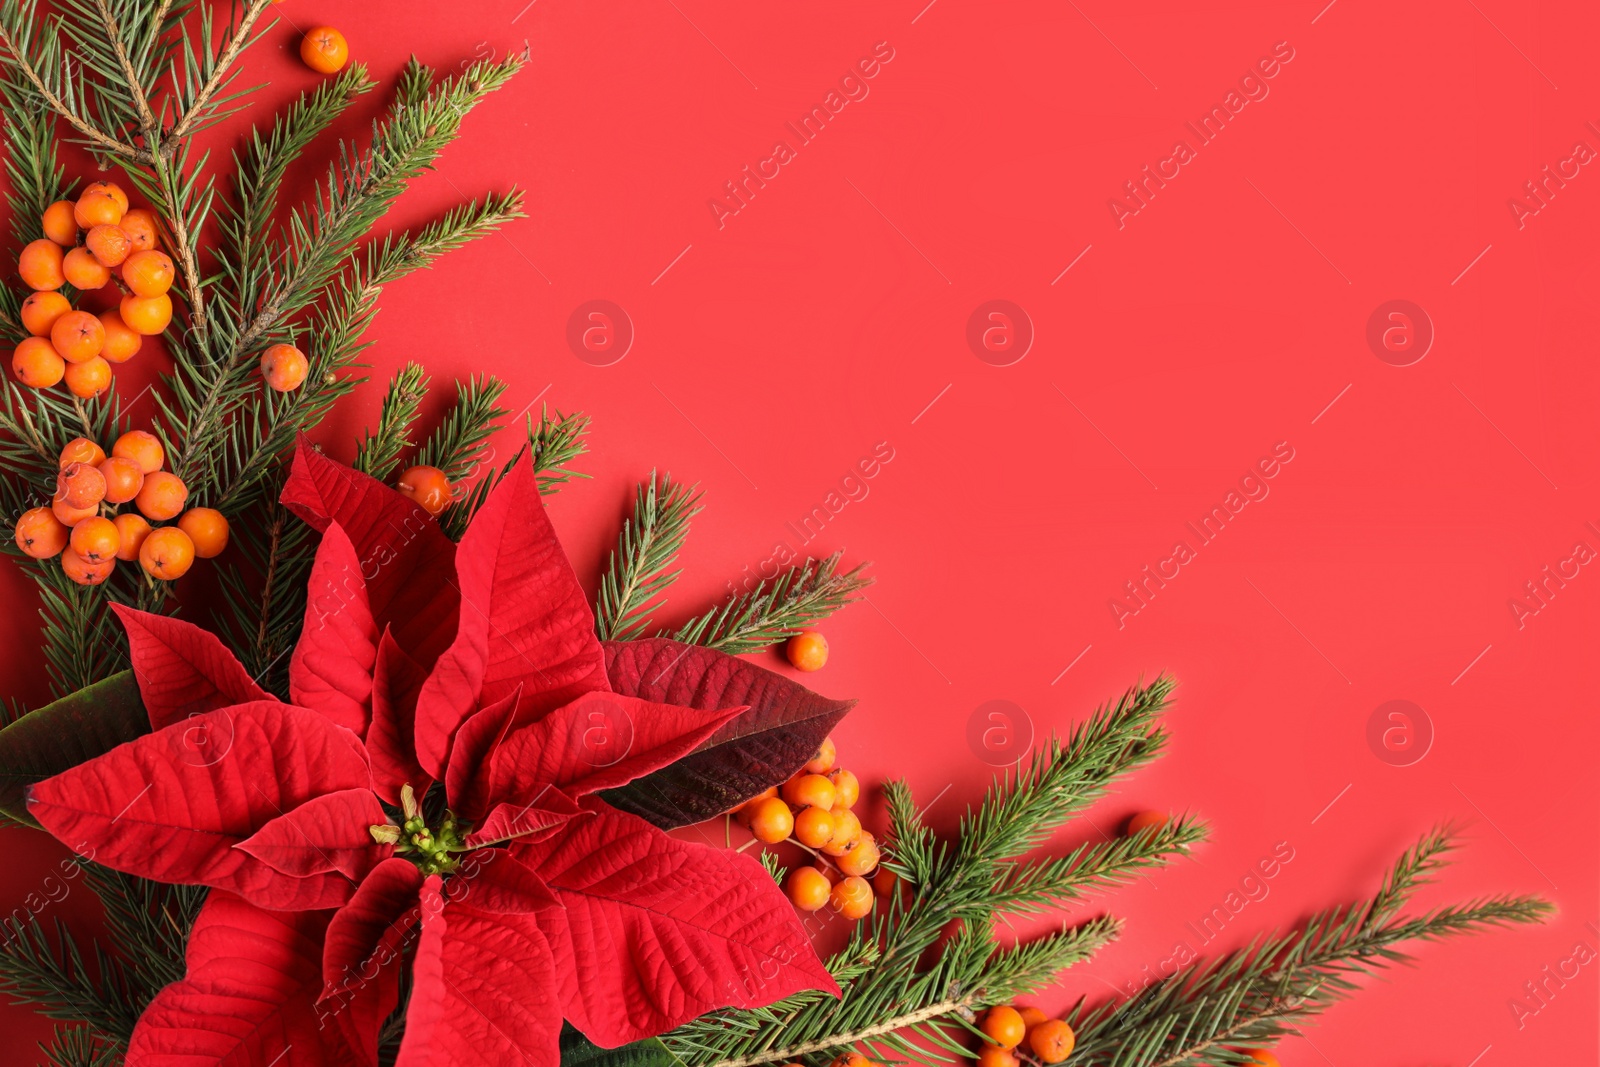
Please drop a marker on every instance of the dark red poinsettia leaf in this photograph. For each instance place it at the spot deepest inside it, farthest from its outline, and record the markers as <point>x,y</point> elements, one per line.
<point>596,742</point>
<point>481,994</point>
<point>331,669</point>
<point>374,924</point>
<point>249,998</point>
<point>182,669</point>
<point>467,779</point>
<point>766,745</point>
<point>325,834</point>
<point>491,880</point>
<point>171,806</point>
<point>523,621</point>
<point>408,563</point>
<point>391,737</point>
<point>535,820</point>
<point>654,931</point>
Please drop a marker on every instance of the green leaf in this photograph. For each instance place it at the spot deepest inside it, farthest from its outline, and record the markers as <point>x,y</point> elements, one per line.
<point>579,1051</point>
<point>59,736</point>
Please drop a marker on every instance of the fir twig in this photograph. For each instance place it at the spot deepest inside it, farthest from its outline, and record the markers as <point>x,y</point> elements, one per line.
<point>649,543</point>
<point>778,608</point>
<point>379,452</point>
<point>457,442</point>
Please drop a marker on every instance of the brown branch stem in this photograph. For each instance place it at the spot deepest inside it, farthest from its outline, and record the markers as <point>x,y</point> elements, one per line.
<point>101,140</point>
<point>230,52</point>
<point>888,1026</point>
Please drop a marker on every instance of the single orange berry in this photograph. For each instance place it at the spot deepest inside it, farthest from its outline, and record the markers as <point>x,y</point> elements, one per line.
<point>109,244</point>
<point>140,227</point>
<point>96,539</point>
<point>809,790</point>
<point>147,315</point>
<point>36,363</point>
<point>162,496</point>
<point>59,225</point>
<point>284,367</point>
<point>132,529</point>
<point>852,1059</point>
<point>111,189</point>
<point>426,487</point>
<point>1260,1056</point>
<point>771,821</point>
<point>141,447</point>
<point>885,882</point>
<point>80,485</point>
<point>829,872</point>
<point>123,477</point>
<point>808,889</point>
<point>167,553</point>
<point>71,516</point>
<point>78,336</point>
<point>813,827</point>
<point>81,450</point>
<point>1052,1040</point>
<point>1145,820</point>
<point>846,832</point>
<point>89,378</point>
<point>97,207</point>
<point>863,859</point>
<point>39,265</point>
<point>85,571</point>
<point>324,49</point>
<point>83,270</point>
<point>41,310</point>
<point>148,273</point>
<point>807,651</point>
<point>1032,1016</point>
<point>995,1056</point>
<point>1004,1026</point>
<point>121,342</point>
<point>743,812</point>
<point>846,788</point>
<point>852,897</point>
<point>822,762</point>
<point>207,529</point>
<point>40,534</point>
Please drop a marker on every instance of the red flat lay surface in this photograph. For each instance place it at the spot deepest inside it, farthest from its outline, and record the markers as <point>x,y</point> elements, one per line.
<point>1174,348</point>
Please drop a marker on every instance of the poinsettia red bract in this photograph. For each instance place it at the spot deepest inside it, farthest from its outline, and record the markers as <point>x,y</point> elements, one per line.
<point>465,686</point>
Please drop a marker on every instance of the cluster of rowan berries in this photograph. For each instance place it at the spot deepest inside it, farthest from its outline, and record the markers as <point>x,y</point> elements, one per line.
<point>84,527</point>
<point>119,243</point>
<point>1014,1032</point>
<point>812,809</point>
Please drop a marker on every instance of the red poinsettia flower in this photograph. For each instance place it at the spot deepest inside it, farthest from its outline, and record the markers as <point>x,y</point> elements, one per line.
<point>518,894</point>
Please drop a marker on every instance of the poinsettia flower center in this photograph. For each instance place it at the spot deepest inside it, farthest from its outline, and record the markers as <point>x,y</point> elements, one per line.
<point>432,848</point>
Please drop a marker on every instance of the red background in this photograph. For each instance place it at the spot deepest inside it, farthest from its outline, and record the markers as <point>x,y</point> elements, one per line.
<point>823,318</point>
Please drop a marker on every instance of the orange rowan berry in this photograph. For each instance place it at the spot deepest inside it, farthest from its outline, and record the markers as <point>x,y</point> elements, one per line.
<point>426,487</point>
<point>885,882</point>
<point>743,812</point>
<point>809,790</point>
<point>846,788</point>
<point>324,49</point>
<point>70,516</point>
<point>771,821</point>
<point>162,496</point>
<point>41,310</point>
<point>1052,1040</point>
<point>123,477</point>
<point>39,265</point>
<point>97,207</point>
<point>1145,820</point>
<point>995,1056</point>
<point>140,226</point>
<point>111,189</point>
<point>863,859</point>
<point>1032,1016</point>
<point>167,553</point>
<point>80,485</point>
<point>284,367</point>
<point>89,378</point>
<point>1004,1026</point>
<point>208,530</point>
<point>81,450</point>
<point>110,245</point>
<point>121,342</point>
<point>852,1059</point>
<point>147,315</point>
<point>807,651</point>
<point>40,534</point>
<point>78,336</point>
<point>822,762</point>
<point>148,273</point>
<point>808,889</point>
<point>85,571</point>
<point>829,872</point>
<point>59,225</point>
<point>846,832</point>
<point>82,269</point>
<point>36,363</point>
<point>96,539</point>
<point>141,447</point>
<point>132,529</point>
<point>1260,1056</point>
<point>813,827</point>
<point>852,897</point>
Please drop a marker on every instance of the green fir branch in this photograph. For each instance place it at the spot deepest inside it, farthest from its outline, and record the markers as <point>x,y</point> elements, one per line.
<point>778,608</point>
<point>78,1046</point>
<point>51,975</point>
<point>456,444</point>
<point>638,574</point>
<point>554,443</point>
<point>379,452</point>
